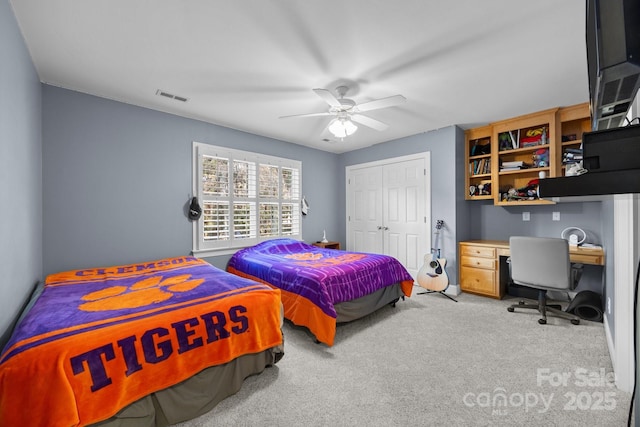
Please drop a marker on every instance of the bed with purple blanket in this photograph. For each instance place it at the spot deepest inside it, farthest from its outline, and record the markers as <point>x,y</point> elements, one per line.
<point>145,344</point>
<point>322,287</point>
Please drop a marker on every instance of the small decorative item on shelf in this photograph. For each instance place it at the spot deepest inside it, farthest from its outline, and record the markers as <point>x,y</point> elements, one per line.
<point>505,142</point>
<point>541,158</point>
<point>484,188</point>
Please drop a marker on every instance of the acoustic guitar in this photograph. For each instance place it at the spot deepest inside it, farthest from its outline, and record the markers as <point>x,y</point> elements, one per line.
<point>432,275</point>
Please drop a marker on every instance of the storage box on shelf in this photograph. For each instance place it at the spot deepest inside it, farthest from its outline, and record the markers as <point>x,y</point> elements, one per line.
<point>478,161</point>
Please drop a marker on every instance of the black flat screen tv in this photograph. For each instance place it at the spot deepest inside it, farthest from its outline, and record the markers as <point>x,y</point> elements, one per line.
<point>613,57</point>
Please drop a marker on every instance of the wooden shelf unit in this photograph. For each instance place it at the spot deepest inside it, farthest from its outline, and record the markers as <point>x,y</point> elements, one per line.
<point>478,171</point>
<point>568,122</point>
<point>518,128</point>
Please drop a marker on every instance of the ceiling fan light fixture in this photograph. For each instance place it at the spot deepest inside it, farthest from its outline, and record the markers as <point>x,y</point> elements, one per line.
<point>341,127</point>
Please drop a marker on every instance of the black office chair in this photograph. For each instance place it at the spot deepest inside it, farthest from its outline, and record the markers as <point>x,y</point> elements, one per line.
<point>542,263</point>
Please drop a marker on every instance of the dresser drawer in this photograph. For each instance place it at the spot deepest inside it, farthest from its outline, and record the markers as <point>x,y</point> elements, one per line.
<point>477,280</point>
<point>477,262</point>
<point>478,251</point>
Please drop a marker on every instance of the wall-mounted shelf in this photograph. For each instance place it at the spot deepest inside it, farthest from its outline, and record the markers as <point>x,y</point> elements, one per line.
<point>506,160</point>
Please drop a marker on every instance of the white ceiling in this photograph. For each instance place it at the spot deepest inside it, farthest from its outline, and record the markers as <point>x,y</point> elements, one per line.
<point>244,63</point>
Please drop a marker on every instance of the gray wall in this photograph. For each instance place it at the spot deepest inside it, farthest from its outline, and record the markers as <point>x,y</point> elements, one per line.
<point>117,179</point>
<point>443,145</point>
<point>20,172</point>
<point>498,222</point>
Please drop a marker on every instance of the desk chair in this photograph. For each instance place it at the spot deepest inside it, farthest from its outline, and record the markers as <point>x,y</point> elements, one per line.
<point>542,263</point>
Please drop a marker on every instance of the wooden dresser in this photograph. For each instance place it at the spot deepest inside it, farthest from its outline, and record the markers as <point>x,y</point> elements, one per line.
<point>479,268</point>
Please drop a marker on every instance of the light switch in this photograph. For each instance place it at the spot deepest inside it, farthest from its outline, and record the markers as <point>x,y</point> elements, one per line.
<point>556,216</point>
<point>526,216</point>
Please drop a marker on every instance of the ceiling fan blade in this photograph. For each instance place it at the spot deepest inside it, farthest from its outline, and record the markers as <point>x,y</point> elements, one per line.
<point>328,97</point>
<point>308,115</point>
<point>390,101</point>
<point>369,122</point>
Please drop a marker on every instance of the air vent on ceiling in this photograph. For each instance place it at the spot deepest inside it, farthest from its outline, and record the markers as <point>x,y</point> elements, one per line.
<point>170,95</point>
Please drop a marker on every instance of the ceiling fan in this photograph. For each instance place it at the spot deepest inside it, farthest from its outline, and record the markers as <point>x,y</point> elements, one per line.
<point>347,111</point>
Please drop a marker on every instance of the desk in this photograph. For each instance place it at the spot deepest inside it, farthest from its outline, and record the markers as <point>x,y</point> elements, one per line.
<point>482,273</point>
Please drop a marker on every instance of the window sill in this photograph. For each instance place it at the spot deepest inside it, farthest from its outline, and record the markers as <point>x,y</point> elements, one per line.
<point>206,253</point>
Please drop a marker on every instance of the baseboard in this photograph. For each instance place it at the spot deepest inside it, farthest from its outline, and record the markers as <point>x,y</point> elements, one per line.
<point>612,348</point>
<point>453,290</point>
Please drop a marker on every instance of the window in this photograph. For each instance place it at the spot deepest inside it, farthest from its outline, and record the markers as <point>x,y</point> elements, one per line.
<point>245,198</point>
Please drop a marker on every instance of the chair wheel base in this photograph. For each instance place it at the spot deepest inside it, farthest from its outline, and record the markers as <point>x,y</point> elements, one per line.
<point>575,321</point>
<point>542,321</point>
<point>510,309</point>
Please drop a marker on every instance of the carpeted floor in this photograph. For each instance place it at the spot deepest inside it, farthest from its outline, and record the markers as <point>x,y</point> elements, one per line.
<point>434,362</point>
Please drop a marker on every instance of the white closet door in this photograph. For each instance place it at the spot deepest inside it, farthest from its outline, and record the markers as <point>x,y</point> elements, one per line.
<point>388,209</point>
<point>404,212</point>
<point>364,207</point>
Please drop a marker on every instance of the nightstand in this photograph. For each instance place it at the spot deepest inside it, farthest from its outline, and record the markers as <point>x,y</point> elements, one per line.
<point>327,245</point>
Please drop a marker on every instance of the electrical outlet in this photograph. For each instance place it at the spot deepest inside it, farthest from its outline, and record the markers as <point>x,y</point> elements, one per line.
<point>526,216</point>
<point>556,216</point>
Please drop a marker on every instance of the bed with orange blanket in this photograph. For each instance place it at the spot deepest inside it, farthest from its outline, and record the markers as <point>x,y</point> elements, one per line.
<point>323,287</point>
<point>97,343</point>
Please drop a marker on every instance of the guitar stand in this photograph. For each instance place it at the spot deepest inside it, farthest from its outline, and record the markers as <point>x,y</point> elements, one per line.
<point>438,292</point>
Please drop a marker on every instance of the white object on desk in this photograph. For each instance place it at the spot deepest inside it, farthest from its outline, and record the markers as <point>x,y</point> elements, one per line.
<point>574,240</point>
<point>324,237</point>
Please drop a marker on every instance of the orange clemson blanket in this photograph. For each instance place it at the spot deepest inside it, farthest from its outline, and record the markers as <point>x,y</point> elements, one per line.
<point>99,339</point>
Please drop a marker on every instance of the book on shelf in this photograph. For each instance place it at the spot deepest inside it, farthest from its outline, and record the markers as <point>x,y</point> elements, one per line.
<point>513,166</point>
<point>480,167</point>
<point>573,150</point>
<point>518,163</point>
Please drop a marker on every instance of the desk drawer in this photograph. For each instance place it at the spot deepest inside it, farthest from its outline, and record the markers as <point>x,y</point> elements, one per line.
<point>477,280</point>
<point>586,259</point>
<point>480,251</point>
<point>473,261</point>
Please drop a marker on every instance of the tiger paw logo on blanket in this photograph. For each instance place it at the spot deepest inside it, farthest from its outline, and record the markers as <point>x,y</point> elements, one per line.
<point>319,260</point>
<point>144,292</point>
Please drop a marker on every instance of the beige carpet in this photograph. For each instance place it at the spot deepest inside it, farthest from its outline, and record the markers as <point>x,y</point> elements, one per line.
<point>434,362</point>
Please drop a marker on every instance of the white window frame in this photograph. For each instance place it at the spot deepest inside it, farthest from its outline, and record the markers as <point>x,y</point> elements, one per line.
<point>202,248</point>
